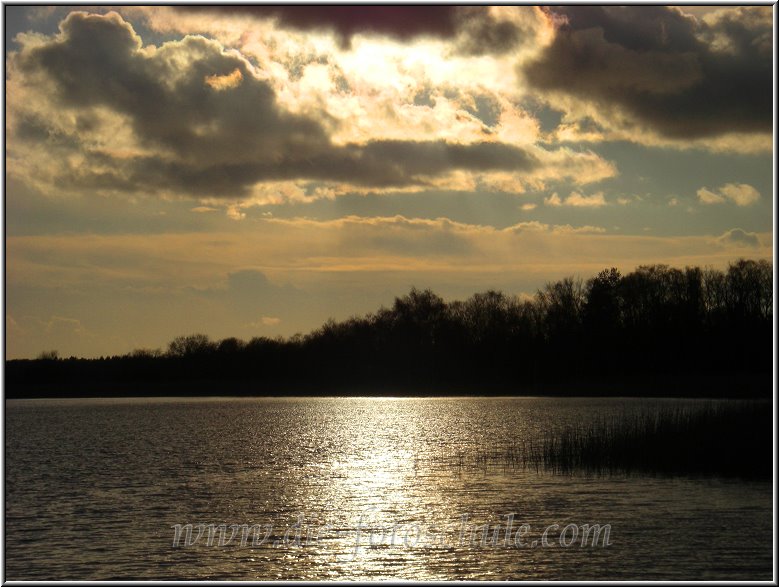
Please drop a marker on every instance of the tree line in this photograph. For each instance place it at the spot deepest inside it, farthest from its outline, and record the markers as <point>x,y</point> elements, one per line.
<point>658,331</point>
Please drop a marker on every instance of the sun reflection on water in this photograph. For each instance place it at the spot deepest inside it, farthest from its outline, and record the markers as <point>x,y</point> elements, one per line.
<point>343,474</point>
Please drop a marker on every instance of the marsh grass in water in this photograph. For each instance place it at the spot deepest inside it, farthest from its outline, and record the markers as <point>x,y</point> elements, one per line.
<point>717,439</point>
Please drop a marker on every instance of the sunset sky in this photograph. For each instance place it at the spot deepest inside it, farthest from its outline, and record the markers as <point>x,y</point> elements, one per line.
<point>251,171</point>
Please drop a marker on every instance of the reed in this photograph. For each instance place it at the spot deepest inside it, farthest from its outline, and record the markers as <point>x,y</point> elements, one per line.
<point>728,439</point>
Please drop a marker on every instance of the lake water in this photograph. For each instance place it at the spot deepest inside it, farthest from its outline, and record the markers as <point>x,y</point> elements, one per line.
<point>95,488</point>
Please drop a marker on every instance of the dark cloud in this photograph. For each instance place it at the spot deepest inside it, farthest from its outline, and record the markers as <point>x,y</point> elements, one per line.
<point>483,34</point>
<point>683,78</point>
<point>400,22</point>
<point>381,164</point>
<point>477,31</point>
<point>739,237</point>
<point>214,128</point>
<point>98,62</point>
<point>391,163</point>
<point>643,28</point>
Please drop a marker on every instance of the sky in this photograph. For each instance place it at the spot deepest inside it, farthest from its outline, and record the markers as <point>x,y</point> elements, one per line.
<point>255,170</point>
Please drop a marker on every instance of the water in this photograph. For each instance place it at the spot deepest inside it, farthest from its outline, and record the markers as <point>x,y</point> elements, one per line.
<point>94,488</point>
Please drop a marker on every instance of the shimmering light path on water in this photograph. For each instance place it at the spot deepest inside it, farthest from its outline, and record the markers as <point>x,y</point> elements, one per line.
<point>94,489</point>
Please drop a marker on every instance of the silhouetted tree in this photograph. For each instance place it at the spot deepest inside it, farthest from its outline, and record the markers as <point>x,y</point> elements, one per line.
<point>229,346</point>
<point>146,354</point>
<point>562,303</point>
<point>707,329</point>
<point>603,310</point>
<point>188,346</point>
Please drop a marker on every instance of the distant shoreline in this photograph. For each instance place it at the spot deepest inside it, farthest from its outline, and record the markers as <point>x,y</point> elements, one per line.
<point>657,331</point>
<point>737,386</point>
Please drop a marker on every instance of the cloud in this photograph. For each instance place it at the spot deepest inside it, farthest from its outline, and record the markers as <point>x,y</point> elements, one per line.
<point>585,229</point>
<point>380,87</point>
<point>225,82</point>
<point>497,30</point>
<point>739,238</point>
<point>234,211</point>
<point>425,225</point>
<point>186,132</point>
<point>655,70</point>
<point>399,22</point>
<point>580,201</point>
<point>541,227</point>
<point>268,264</point>
<point>473,30</point>
<point>741,194</point>
<point>581,167</point>
<point>399,163</point>
<point>708,197</point>
<point>529,206</point>
<point>64,325</point>
<point>553,200</point>
<point>263,323</point>
<point>576,200</point>
<point>192,118</point>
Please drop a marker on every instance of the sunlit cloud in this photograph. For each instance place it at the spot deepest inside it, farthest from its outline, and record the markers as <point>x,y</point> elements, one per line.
<point>265,321</point>
<point>225,82</point>
<point>255,132</point>
<point>581,201</point>
<point>740,194</point>
<point>553,200</point>
<point>708,197</point>
<point>577,200</point>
